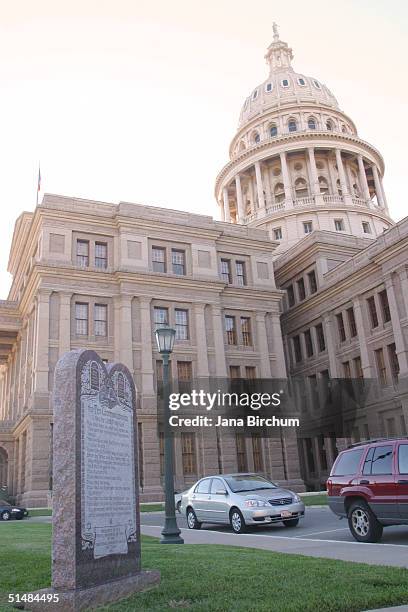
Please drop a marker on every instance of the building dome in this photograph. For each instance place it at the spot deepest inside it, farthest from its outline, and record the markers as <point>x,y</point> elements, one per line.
<point>297,162</point>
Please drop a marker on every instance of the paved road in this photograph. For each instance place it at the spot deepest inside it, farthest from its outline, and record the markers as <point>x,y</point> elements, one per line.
<point>320,534</point>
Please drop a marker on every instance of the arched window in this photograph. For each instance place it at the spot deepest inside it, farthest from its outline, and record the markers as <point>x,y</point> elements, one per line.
<point>316,84</point>
<point>338,185</point>
<point>323,184</point>
<point>329,125</point>
<point>301,81</point>
<point>301,189</point>
<point>255,94</point>
<point>292,126</point>
<point>268,87</point>
<point>273,130</point>
<point>356,190</point>
<point>344,129</point>
<point>257,138</point>
<point>279,192</point>
<point>285,83</point>
<point>311,123</point>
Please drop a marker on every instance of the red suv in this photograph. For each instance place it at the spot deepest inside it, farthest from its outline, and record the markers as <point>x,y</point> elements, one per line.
<point>368,484</point>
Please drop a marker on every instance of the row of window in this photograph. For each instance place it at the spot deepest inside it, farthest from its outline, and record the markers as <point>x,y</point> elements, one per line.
<point>240,277</point>
<point>339,226</point>
<point>100,254</point>
<point>292,126</point>
<point>245,330</point>
<point>378,461</point>
<point>284,83</point>
<point>309,344</point>
<point>301,288</point>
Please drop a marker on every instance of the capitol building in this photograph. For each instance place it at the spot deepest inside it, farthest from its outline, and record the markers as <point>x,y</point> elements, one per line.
<point>304,277</point>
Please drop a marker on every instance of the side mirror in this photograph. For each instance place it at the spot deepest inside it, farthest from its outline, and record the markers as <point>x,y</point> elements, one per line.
<point>221,492</point>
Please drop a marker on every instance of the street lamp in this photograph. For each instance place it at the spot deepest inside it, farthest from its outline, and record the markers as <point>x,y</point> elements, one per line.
<point>165,336</point>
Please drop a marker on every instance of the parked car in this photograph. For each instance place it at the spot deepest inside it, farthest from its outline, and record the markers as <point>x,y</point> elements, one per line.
<point>240,500</point>
<point>368,485</point>
<point>8,511</point>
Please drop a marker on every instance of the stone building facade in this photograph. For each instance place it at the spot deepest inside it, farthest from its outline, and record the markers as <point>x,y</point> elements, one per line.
<point>306,275</point>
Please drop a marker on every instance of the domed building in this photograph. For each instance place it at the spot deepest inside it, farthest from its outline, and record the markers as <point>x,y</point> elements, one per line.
<point>297,163</point>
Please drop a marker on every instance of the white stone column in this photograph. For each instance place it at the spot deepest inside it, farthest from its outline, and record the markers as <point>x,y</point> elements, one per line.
<point>259,186</point>
<point>286,181</point>
<point>64,341</point>
<point>330,344</point>
<point>363,178</point>
<point>362,338</point>
<point>403,276</point>
<point>218,332</point>
<point>221,205</point>
<point>262,342</point>
<point>146,346</point>
<point>268,189</point>
<point>251,194</point>
<point>227,212</point>
<point>342,177</point>
<point>400,346</point>
<point>378,190</point>
<point>42,343</point>
<point>201,340</point>
<point>314,179</point>
<point>240,202</point>
<point>279,366</point>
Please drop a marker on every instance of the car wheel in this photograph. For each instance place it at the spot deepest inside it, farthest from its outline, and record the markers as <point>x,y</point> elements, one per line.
<point>6,516</point>
<point>192,522</point>
<point>291,522</point>
<point>363,524</point>
<point>237,521</point>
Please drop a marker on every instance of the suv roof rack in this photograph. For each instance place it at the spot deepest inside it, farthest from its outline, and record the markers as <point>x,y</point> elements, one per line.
<point>374,440</point>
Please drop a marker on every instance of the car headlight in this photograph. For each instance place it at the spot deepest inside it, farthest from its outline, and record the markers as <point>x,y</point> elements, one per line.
<point>15,509</point>
<point>296,498</point>
<point>255,503</point>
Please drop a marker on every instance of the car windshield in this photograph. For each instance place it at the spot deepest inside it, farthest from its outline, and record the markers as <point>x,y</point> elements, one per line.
<point>246,482</point>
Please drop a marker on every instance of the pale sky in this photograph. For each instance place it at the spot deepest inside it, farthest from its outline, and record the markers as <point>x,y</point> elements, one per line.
<point>138,100</point>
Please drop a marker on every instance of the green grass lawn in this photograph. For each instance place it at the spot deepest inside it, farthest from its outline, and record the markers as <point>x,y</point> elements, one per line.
<point>216,578</point>
<point>315,500</point>
<point>143,508</point>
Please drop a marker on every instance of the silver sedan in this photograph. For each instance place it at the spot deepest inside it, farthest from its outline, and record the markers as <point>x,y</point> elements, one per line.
<point>239,500</point>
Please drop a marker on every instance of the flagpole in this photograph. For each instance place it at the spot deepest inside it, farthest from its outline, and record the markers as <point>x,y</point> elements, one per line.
<point>38,184</point>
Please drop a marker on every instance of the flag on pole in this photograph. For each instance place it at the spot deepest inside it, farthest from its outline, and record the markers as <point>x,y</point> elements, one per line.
<point>39,182</point>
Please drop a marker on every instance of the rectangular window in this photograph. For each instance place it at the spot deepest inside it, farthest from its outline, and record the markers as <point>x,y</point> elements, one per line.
<point>291,295</point>
<point>182,330</point>
<point>358,370</point>
<point>235,371</point>
<point>385,307</point>
<point>246,331</point>
<point>320,337</point>
<point>381,369</point>
<point>240,270</point>
<point>184,371</point>
<point>339,225</point>
<point>242,462</point>
<point>403,459</point>
<point>158,259</point>
<point>307,227</point>
<point>277,233</point>
<point>101,255</point>
<point>178,262</point>
<point>351,322</point>
<point>301,289</point>
<point>340,327</point>
<point>231,329</point>
<point>82,253</point>
<point>101,320</point>
<point>373,311</point>
<point>226,271</point>
<point>346,369</point>
<point>366,227</point>
<point>188,452</point>
<point>312,281</point>
<point>297,348</point>
<point>81,319</point>
<point>394,364</point>
<point>257,452</point>
<point>309,343</point>
<point>161,316</point>
<point>250,372</point>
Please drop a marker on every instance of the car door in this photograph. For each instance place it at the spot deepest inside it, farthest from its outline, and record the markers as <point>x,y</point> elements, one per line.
<point>402,480</point>
<point>378,476</point>
<point>200,498</point>
<point>218,502</point>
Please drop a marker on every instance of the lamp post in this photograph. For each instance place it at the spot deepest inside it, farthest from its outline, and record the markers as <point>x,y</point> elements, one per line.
<point>170,533</point>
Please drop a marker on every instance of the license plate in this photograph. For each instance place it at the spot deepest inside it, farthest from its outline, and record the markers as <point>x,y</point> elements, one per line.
<point>286,513</point>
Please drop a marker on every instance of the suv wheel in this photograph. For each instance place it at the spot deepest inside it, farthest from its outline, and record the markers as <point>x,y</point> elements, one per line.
<point>237,521</point>
<point>363,525</point>
<point>192,520</point>
<point>6,516</point>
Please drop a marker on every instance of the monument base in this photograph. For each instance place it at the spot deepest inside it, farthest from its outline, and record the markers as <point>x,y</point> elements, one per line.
<point>95,596</point>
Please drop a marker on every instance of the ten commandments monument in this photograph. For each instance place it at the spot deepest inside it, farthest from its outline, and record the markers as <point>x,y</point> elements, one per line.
<point>96,527</point>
